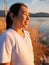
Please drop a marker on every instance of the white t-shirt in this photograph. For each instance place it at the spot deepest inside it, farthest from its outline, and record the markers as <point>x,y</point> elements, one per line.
<point>16,49</point>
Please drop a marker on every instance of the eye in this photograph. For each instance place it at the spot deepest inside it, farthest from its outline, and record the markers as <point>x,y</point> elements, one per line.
<point>26,14</point>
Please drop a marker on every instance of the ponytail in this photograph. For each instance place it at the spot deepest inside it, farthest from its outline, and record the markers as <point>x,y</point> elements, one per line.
<point>8,21</point>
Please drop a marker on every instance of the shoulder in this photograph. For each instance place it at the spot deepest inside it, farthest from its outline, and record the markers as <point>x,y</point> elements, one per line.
<point>7,37</point>
<point>6,34</point>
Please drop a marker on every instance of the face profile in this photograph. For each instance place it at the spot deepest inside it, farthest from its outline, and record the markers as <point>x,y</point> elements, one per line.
<point>22,19</point>
<point>23,16</point>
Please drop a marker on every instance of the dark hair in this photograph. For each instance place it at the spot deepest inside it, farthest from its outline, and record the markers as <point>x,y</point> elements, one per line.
<point>15,10</point>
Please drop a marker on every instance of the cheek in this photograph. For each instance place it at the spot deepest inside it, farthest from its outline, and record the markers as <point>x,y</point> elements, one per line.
<point>21,18</point>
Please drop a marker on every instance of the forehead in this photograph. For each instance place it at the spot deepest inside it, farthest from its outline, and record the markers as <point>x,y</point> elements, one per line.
<point>24,9</point>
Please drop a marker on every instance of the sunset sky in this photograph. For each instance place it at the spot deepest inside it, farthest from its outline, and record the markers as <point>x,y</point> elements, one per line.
<point>33,5</point>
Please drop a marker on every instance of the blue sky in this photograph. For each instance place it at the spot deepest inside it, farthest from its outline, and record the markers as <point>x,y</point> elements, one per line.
<point>33,5</point>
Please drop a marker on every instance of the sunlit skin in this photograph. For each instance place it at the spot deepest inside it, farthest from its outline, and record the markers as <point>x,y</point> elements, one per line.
<point>23,16</point>
<point>21,21</point>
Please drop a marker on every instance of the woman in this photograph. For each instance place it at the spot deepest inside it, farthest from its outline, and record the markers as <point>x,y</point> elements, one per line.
<point>15,43</point>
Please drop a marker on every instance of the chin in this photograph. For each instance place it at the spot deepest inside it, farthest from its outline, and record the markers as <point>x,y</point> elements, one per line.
<point>26,26</point>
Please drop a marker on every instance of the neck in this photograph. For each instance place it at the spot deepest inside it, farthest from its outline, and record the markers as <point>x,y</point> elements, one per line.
<point>19,31</point>
<point>17,28</point>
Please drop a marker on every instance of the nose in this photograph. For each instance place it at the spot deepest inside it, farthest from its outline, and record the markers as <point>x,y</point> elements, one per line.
<point>28,17</point>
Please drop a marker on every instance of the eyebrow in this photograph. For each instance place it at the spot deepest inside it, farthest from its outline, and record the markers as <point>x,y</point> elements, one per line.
<point>25,12</point>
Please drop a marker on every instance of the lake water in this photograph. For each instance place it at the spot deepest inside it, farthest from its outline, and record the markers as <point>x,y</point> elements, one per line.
<point>43,27</point>
<point>41,22</point>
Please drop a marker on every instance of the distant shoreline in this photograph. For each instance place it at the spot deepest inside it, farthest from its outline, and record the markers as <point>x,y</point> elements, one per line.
<point>39,14</point>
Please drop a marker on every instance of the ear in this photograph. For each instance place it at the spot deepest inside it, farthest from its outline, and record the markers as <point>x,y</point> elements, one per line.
<point>12,16</point>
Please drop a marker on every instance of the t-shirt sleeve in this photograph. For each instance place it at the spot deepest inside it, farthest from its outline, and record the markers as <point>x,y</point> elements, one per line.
<point>5,49</point>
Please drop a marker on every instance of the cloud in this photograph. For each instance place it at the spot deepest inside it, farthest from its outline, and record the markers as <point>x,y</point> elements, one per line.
<point>25,1</point>
<point>43,0</point>
<point>39,6</point>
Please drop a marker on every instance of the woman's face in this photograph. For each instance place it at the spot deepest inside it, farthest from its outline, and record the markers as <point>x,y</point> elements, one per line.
<point>23,17</point>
